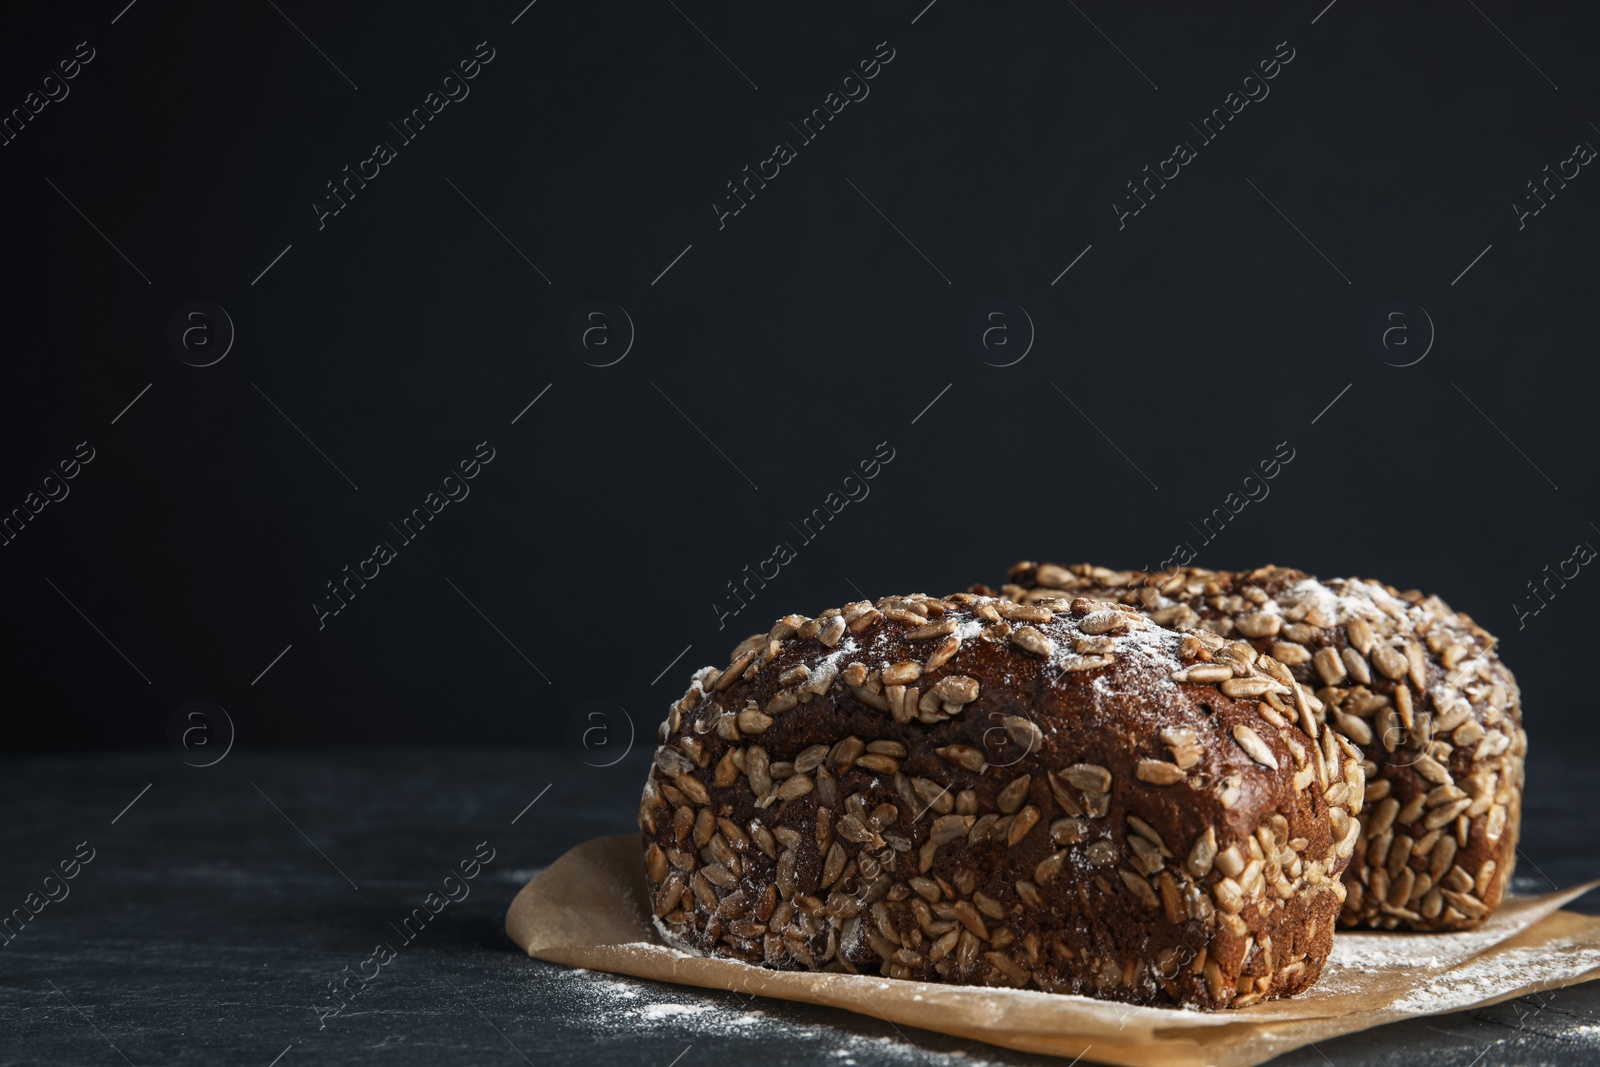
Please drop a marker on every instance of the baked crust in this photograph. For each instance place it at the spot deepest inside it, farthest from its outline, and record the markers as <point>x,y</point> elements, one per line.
<point>1416,685</point>
<point>1059,795</point>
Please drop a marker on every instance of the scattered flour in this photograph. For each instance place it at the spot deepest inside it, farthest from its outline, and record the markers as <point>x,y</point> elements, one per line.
<point>616,1007</point>
<point>652,1012</point>
<point>1481,979</point>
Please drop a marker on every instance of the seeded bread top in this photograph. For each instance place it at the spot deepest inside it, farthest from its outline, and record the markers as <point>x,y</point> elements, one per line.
<point>1355,639</point>
<point>909,657</point>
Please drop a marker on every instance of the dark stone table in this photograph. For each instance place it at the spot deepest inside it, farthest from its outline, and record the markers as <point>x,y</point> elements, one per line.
<point>219,907</point>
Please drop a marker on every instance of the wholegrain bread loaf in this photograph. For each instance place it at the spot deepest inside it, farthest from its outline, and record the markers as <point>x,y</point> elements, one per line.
<point>1060,795</point>
<point>1416,685</point>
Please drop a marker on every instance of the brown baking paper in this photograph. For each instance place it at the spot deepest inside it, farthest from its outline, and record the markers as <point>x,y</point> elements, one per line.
<point>590,909</point>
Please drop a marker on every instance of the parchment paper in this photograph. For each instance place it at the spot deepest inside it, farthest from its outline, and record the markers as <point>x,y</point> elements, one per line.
<point>590,909</point>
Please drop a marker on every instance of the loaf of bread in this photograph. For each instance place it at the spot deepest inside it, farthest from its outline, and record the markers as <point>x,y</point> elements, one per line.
<point>1059,795</point>
<point>1417,686</point>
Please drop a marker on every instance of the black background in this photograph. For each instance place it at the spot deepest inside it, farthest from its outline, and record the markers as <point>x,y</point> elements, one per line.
<point>799,336</point>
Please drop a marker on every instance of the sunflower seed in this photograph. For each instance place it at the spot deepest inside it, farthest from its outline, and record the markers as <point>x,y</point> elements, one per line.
<point>1440,816</point>
<point>1290,654</point>
<point>1101,853</point>
<point>672,762</point>
<point>932,795</point>
<point>1023,732</point>
<point>902,673</point>
<point>1146,857</point>
<point>1495,823</point>
<point>735,669</point>
<point>794,788</point>
<point>671,893</point>
<point>1485,877</point>
<point>1360,634</point>
<point>1399,854</point>
<point>1382,817</point>
<point>963,756</point>
<point>752,721</point>
<point>1251,687</point>
<point>932,629</point>
<point>956,689</point>
<point>1030,639</point>
<point>1139,886</point>
<point>981,828</point>
<point>1202,854</point>
<point>1049,867</point>
<point>1183,744</point>
<point>1258,624</point>
<point>1012,796</point>
<point>1390,664</point>
<point>947,828</point>
<point>1064,799</point>
<point>844,752</point>
<point>968,916</point>
<point>810,759</point>
<point>693,788</point>
<point>785,876</point>
<point>1159,772</point>
<point>1025,612</point>
<point>1240,652</point>
<point>719,875</point>
<point>1254,747</point>
<point>1024,821</point>
<point>1442,794</point>
<point>1148,833</point>
<point>1442,858</point>
<point>1356,729</point>
<point>1090,777</point>
<point>989,906</point>
<point>1432,770</point>
<point>1053,576</point>
<point>883,816</point>
<point>880,764</point>
<point>1330,668</point>
<point>1468,904</point>
<point>703,892</point>
<point>822,679</point>
<point>1250,881</point>
<point>1416,666</point>
<point>1356,664</point>
<point>942,653</point>
<point>1203,673</point>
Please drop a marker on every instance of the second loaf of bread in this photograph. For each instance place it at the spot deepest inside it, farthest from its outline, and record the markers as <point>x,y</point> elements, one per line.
<point>1418,687</point>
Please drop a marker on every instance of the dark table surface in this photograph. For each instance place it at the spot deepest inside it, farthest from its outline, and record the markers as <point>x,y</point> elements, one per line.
<point>219,906</point>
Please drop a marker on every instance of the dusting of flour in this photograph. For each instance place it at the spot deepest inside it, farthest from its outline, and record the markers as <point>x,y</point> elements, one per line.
<point>622,1008</point>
